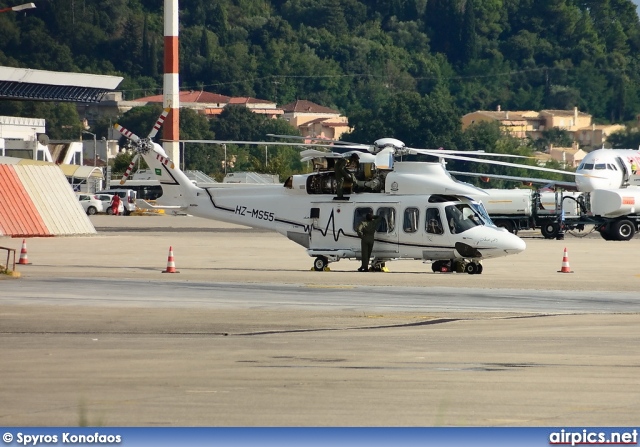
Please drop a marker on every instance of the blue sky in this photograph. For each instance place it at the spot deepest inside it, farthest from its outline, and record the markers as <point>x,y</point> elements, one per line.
<point>637,2</point>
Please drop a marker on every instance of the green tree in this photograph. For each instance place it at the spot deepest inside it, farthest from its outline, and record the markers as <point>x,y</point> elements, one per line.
<point>429,121</point>
<point>469,35</point>
<point>333,14</point>
<point>553,136</point>
<point>626,139</point>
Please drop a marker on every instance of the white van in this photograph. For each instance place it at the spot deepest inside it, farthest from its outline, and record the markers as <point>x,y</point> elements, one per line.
<point>127,197</point>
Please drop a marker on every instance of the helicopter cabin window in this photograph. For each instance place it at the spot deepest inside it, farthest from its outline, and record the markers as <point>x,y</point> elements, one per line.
<point>359,215</point>
<point>410,222</point>
<point>289,182</point>
<point>388,222</point>
<point>461,218</point>
<point>433,222</point>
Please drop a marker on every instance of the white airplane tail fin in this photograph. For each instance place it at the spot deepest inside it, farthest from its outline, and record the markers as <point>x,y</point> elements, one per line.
<point>177,189</point>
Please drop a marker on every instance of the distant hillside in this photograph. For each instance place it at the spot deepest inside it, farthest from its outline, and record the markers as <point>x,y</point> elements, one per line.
<point>351,55</point>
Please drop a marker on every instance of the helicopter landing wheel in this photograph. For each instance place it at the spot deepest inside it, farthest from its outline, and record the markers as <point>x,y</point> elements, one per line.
<point>473,268</point>
<point>320,263</point>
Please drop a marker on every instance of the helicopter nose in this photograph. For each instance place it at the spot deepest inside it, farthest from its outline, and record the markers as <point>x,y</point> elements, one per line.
<point>514,245</point>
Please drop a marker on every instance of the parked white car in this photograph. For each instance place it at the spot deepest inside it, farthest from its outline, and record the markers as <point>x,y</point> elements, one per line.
<point>127,199</point>
<point>105,199</point>
<point>91,203</point>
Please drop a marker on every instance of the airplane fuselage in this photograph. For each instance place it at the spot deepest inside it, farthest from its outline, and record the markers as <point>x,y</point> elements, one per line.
<point>609,169</point>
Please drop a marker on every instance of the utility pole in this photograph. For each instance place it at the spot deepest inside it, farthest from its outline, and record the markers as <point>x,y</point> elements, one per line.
<point>275,83</point>
<point>95,150</point>
<point>225,158</point>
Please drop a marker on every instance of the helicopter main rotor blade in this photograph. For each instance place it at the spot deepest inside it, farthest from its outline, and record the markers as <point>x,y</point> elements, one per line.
<point>496,162</point>
<point>435,152</point>
<point>542,181</point>
<point>266,143</point>
<point>296,137</point>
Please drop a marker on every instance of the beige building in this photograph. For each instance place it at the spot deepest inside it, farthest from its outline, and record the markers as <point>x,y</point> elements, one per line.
<point>531,124</point>
<point>595,136</point>
<point>570,157</point>
<point>316,121</point>
<point>516,124</point>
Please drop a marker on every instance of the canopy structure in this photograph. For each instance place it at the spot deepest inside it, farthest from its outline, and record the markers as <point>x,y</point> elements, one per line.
<point>74,171</point>
<point>37,200</point>
<point>40,85</point>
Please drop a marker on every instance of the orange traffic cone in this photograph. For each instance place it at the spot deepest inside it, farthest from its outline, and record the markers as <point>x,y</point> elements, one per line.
<point>171,265</point>
<point>565,263</point>
<point>23,254</point>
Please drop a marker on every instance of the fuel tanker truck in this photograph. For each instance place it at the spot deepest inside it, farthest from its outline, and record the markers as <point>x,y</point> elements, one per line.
<point>617,212</point>
<point>614,213</point>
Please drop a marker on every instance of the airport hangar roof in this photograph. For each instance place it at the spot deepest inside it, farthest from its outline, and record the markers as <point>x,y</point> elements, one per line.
<point>40,85</point>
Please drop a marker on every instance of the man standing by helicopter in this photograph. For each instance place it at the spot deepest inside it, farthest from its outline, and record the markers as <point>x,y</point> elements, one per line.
<point>366,231</point>
<point>342,174</point>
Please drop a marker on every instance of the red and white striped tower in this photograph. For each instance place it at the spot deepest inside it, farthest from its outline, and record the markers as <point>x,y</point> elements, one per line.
<point>171,88</point>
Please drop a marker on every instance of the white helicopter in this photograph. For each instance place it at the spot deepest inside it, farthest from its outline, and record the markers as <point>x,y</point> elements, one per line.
<point>428,215</point>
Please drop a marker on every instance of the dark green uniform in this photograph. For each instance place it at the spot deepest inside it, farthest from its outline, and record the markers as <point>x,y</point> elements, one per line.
<point>342,173</point>
<point>366,231</point>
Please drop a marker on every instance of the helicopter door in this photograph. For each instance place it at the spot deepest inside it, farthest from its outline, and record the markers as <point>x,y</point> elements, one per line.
<point>387,235</point>
<point>437,237</point>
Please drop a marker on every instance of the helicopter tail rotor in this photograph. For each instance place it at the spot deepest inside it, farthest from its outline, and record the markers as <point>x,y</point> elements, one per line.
<point>141,145</point>
<point>127,172</point>
<point>158,123</point>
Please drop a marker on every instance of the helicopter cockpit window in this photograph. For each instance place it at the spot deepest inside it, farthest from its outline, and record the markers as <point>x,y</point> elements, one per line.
<point>433,222</point>
<point>359,215</point>
<point>481,212</point>
<point>388,222</point>
<point>461,217</point>
<point>410,222</point>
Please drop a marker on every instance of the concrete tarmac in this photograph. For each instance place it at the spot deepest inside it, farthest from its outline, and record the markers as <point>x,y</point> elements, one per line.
<point>247,335</point>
